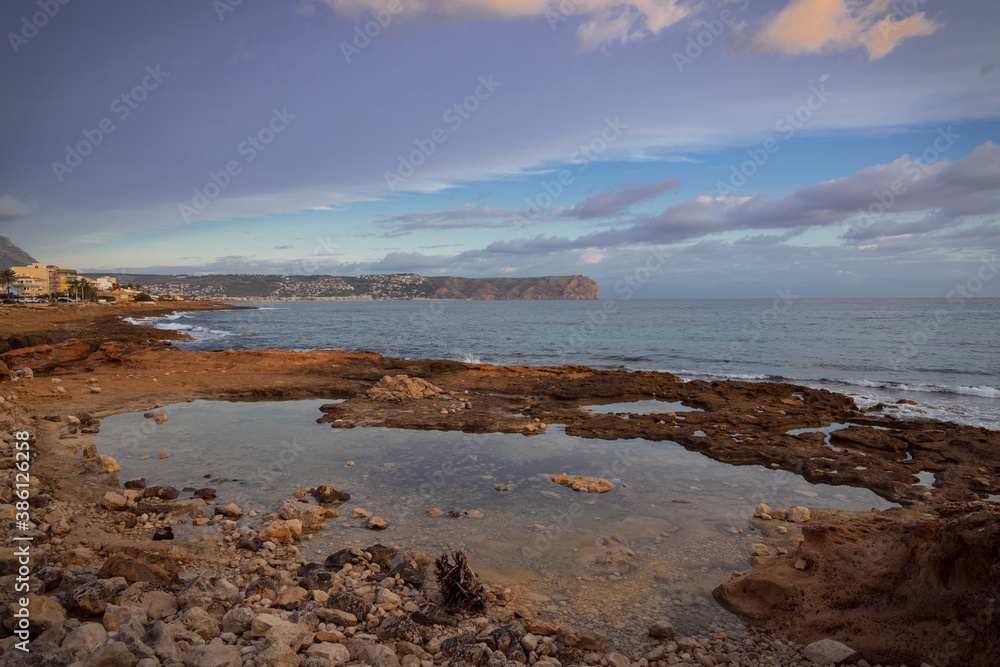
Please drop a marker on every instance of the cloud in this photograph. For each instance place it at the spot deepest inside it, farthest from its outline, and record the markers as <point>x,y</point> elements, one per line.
<point>12,208</point>
<point>827,26</point>
<point>604,21</point>
<point>459,218</point>
<point>607,204</point>
<point>942,196</point>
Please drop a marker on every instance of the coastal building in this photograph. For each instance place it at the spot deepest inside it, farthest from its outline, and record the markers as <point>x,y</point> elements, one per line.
<point>29,286</point>
<point>47,273</point>
<point>118,295</point>
<point>65,276</point>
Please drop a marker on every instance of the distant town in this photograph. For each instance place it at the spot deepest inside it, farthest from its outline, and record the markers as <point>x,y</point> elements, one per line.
<point>26,280</point>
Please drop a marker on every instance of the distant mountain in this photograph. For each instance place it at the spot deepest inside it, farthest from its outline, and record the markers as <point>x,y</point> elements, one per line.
<point>399,286</point>
<point>11,255</point>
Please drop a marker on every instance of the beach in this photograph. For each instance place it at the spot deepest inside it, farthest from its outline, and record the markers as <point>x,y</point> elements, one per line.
<point>910,584</point>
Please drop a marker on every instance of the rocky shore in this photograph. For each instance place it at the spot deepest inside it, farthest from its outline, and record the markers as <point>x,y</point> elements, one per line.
<point>109,585</point>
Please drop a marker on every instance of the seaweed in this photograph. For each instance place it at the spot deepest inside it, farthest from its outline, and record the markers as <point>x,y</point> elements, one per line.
<point>460,587</point>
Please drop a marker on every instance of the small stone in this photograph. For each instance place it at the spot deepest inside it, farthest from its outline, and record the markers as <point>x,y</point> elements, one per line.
<point>801,564</point>
<point>782,530</point>
<point>435,511</point>
<point>799,514</point>
<point>349,464</point>
<point>164,455</point>
<point>662,630</point>
<point>829,652</point>
<point>358,513</point>
<point>762,511</point>
<point>759,549</point>
<point>95,390</point>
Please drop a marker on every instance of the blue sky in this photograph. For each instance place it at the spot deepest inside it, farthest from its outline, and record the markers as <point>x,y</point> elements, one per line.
<point>838,147</point>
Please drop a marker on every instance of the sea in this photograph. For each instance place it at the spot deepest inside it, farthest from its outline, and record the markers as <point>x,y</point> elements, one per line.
<point>920,358</point>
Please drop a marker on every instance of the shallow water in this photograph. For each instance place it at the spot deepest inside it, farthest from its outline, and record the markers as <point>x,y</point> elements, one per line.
<point>641,407</point>
<point>672,508</point>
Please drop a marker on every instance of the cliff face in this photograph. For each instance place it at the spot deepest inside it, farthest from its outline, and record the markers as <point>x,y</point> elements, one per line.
<point>11,255</point>
<point>490,289</point>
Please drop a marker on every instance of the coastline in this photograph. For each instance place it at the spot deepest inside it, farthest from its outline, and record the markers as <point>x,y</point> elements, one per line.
<point>955,526</point>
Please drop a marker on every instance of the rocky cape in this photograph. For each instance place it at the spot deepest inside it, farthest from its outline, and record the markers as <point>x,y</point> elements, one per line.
<point>908,585</point>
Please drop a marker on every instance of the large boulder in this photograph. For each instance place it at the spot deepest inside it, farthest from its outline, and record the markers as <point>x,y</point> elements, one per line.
<point>402,387</point>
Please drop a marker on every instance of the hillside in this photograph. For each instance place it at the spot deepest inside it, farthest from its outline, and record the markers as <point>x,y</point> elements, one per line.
<point>11,255</point>
<point>380,286</point>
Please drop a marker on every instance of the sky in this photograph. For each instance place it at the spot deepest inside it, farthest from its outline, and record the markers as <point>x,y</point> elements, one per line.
<point>665,148</point>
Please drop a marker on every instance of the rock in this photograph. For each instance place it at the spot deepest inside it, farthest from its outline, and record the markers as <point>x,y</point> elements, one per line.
<point>163,455</point>
<point>213,655</point>
<point>310,515</point>
<point>205,590</point>
<point>158,602</point>
<point>762,511</point>
<point>290,597</point>
<point>275,531</point>
<point>165,533</point>
<point>619,660</point>
<point>238,620</point>
<point>661,630</point>
<point>508,640</point>
<point>199,622</point>
<point>539,627</point>
<point>399,628</point>
<point>529,642</point>
<point>95,390</point>
<point>132,633</point>
<point>42,654</point>
<point>340,617</point>
<point>137,483</point>
<point>43,612</point>
<point>429,613</point>
<point>159,417</point>
<point>293,635</point>
<point>85,638</point>
<point>382,556</point>
<point>829,652</point>
<point>451,645</point>
<point>410,571</point>
<point>376,523</point>
<point>587,640</point>
<point>800,564</point>
<point>92,598</point>
<point>205,494</point>
<point>350,603</point>
<point>294,527</point>
<point>358,513</point>
<point>327,495</point>
<point>277,655</point>
<point>108,464</point>
<point>253,544</point>
<point>583,484</point>
<point>132,570</point>
<point>115,654</point>
<point>115,615</point>
<point>402,387</point>
<point>114,502</point>
<point>230,511</point>
<point>780,515</point>
<point>387,598</point>
<point>471,655</point>
<point>799,514</point>
<point>336,654</point>
<point>435,511</point>
<point>315,577</point>
<point>759,549</point>
<point>339,559</point>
